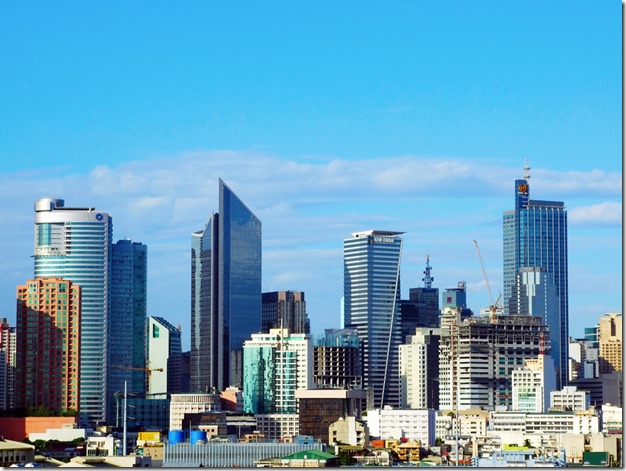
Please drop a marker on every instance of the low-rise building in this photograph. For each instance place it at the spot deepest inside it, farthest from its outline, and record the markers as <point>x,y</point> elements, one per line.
<point>570,398</point>
<point>181,404</point>
<point>348,431</point>
<point>413,424</point>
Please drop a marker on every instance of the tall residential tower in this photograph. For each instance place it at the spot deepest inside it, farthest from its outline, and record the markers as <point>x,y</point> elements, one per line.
<point>75,244</point>
<point>225,293</point>
<point>372,306</point>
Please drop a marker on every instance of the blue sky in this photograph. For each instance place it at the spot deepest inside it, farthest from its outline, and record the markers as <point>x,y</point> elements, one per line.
<point>326,118</point>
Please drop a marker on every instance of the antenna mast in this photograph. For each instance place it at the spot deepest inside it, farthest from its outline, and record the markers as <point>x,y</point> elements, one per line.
<point>428,280</point>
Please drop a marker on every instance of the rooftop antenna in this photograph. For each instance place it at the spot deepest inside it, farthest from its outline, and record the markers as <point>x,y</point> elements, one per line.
<point>526,170</point>
<point>428,280</point>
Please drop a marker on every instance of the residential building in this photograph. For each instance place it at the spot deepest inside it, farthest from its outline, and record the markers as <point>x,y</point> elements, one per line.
<point>413,424</point>
<point>164,352</point>
<point>535,235</point>
<point>419,369</point>
<point>48,345</point>
<point>526,423</point>
<point>372,306</point>
<point>284,310</point>
<point>478,355</point>
<point>610,342</point>
<point>75,244</point>
<point>278,426</point>
<point>318,408</point>
<point>533,384</point>
<point>422,307</point>
<point>337,360</point>
<point>225,293</point>
<point>348,431</point>
<point>7,364</point>
<point>612,419</point>
<point>276,364</point>
<point>127,320</point>
<point>570,399</point>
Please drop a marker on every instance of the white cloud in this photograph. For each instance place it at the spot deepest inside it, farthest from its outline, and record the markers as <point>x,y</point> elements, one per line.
<point>603,213</point>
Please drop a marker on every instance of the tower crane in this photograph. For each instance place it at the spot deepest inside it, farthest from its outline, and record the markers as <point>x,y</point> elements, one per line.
<point>494,306</point>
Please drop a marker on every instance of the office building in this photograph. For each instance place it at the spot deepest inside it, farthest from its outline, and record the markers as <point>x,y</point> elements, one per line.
<point>532,384</point>
<point>412,424</point>
<point>7,365</point>
<point>533,293</point>
<point>372,306</point>
<point>478,355</point>
<point>610,343</point>
<point>284,310</point>
<point>225,293</point>
<point>570,398</point>
<point>456,299</point>
<point>419,369</point>
<point>127,320</point>
<point>422,307</point>
<point>318,408</point>
<point>48,344</point>
<point>164,352</point>
<point>181,404</point>
<point>583,359</point>
<point>75,244</point>
<point>276,364</point>
<point>337,360</point>
<point>535,235</point>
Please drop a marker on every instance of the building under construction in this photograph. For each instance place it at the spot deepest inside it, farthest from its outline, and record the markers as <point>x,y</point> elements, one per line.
<point>478,354</point>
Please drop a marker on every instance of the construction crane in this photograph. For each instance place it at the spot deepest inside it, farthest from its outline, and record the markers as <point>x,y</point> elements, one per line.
<point>494,305</point>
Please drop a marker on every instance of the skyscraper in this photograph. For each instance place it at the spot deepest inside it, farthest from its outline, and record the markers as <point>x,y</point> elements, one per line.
<point>127,320</point>
<point>7,364</point>
<point>285,310</point>
<point>48,344</point>
<point>75,244</point>
<point>535,235</point>
<point>422,307</point>
<point>372,306</point>
<point>225,293</point>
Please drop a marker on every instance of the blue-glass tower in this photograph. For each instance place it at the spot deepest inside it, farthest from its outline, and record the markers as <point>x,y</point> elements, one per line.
<point>372,307</point>
<point>535,235</point>
<point>75,244</point>
<point>127,320</point>
<point>225,293</point>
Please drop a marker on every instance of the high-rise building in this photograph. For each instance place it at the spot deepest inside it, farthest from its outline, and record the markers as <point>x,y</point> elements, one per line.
<point>532,384</point>
<point>285,310</point>
<point>372,307</point>
<point>75,244</point>
<point>422,307</point>
<point>127,320</point>
<point>610,340</point>
<point>276,364</point>
<point>583,359</point>
<point>419,369</point>
<point>337,360</point>
<point>48,344</point>
<point>7,365</point>
<point>534,293</point>
<point>225,293</point>
<point>535,235</point>
<point>164,350</point>
<point>478,355</point>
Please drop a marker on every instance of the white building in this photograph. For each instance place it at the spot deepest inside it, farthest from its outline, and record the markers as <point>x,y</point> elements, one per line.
<point>75,244</point>
<point>66,433</point>
<point>569,398</point>
<point>532,385</point>
<point>612,419</point>
<point>471,422</point>
<point>414,369</point>
<point>181,404</point>
<point>413,424</point>
<point>539,423</point>
<point>163,343</point>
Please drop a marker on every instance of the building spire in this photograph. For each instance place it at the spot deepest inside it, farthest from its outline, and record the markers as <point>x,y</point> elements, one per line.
<point>428,280</point>
<point>526,171</point>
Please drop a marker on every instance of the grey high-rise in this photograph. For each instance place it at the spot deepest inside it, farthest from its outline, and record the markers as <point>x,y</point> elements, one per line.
<point>535,236</point>
<point>372,307</point>
<point>225,293</point>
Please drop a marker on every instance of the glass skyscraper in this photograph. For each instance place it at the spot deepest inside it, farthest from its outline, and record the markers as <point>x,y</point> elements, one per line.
<point>127,320</point>
<point>535,235</point>
<point>225,293</point>
<point>75,244</point>
<point>372,307</point>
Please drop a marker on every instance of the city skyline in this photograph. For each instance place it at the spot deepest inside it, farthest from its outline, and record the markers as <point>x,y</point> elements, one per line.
<point>414,117</point>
